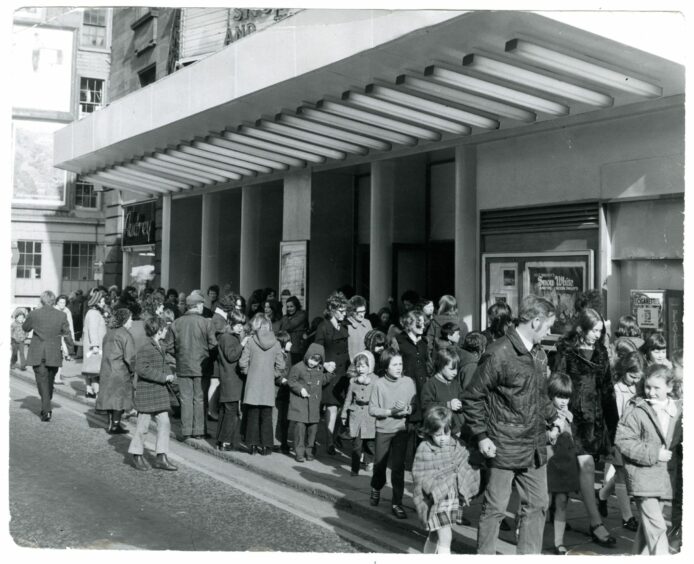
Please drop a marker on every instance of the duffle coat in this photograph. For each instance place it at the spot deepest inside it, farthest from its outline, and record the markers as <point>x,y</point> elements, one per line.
<point>117,369</point>
<point>313,380</point>
<point>261,361</point>
<point>361,424</point>
<point>229,351</point>
<point>151,393</point>
<point>639,438</point>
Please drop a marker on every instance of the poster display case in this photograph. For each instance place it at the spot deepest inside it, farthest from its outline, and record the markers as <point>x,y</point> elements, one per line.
<point>294,270</point>
<point>660,310</point>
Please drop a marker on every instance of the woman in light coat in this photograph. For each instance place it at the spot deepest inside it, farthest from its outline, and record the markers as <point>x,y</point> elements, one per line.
<point>93,333</point>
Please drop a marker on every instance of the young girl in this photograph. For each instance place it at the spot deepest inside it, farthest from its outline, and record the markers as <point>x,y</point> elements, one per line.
<point>655,350</point>
<point>630,371</point>
<point>393,398</point>
<point>442,476</point>
<point>279,412</point>
<point>18,337</point>
<point>647,434</point>
<point>362,426</point>
<point>562,467</point>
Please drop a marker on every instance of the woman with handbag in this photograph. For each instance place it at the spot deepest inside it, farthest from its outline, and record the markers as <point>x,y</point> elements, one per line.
<point>153,396</point>
<point>93,333</point>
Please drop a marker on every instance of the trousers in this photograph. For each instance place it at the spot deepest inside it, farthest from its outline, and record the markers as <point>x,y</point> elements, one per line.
<point>360,445</point>
<point>229,426</point>
<point>304,437</point>
<point>137,444</point>
<point>651,537</point>
<point>259,425</point>
<point>45,377</point>
<point>391,446</point>
<point>192,406</point>
<point>531,484</point>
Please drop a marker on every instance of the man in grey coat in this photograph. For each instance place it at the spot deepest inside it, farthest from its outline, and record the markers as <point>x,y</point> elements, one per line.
<point>45,355</point>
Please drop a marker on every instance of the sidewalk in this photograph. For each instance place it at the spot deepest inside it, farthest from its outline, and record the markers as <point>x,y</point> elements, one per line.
<point>328,477</point>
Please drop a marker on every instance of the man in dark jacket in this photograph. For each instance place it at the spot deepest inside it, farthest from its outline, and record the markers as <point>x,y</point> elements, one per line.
<point>508,410</point>
<point>193,338</point>
<point>49,325</point>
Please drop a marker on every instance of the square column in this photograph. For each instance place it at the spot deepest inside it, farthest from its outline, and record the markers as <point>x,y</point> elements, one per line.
<point>381,239</point>
<point>209,242</point>
<point>467,245</point>
<point>296,213</point>
<point>165,274</point>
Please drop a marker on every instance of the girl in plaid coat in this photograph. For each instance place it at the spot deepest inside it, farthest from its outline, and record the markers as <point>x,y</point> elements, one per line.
<point>442,475</point>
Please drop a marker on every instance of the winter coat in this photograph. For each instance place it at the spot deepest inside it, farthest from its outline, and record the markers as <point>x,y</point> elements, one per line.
<point>49,326</point>
<point>507,402</point>
<point>438,321</point>
<point>591,380</point>
<point>438,393</point>
<point>357,331</point>
<point>562,466</point>
<point>467,367</point>
<point>68,314</point>
<point>414,365</point>
<point>261,360</point>
<point>151,369</point>
<point>229,352</point>
<point>137,330</point>
<point>334,341</point>
<point>117,369</point>
<point>93,329</point>
<point>313,380</point>
<point>218,320</point>
<point>17,333</point>
<point>356,406</point>
<point>193,338</point>
<point>440,475</point>
<point>639,438</point>
<point>296,325</point>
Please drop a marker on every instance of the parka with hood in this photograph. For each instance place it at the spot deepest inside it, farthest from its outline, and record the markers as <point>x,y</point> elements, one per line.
<point>262,361</point>
<point>307,410</point>
<point>361,424</point>
<point>639,438</point>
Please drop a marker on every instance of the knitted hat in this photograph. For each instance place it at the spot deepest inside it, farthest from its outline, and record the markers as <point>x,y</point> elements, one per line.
<point>194,298</point>
<point>95,298</point>
<point>19,311</point>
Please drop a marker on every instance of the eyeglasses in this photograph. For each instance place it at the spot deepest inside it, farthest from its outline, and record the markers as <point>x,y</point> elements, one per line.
<point>342,311</point>
<point>362,311</point>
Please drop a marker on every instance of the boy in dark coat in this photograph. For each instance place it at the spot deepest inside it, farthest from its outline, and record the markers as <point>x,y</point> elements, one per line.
<point>306,381</point>
<point>229,351</point>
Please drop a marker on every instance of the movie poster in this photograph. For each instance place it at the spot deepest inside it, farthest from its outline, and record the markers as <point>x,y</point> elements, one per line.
<point>293,270</point>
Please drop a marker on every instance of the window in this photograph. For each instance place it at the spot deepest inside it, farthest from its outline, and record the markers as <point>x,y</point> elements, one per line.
<point>29,265</point>
<point>91,95</point>
<point>94,27</point>
<point>78,261</point>
<point>148,75</point>
<point>85,195</point>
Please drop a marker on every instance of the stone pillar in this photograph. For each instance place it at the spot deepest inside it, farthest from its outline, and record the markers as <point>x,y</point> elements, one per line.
<point>164,279</point>
<point>381,240</point>
<point>209,242</point>
<point>251,209</point>
<point>296,213</point>
<point>467,245</point>
<point>608,271</point>
<point>125,279</point>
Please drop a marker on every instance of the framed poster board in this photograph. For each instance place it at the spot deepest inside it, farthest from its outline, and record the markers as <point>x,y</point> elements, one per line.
<point>557,276</point>
<point>294,270</point>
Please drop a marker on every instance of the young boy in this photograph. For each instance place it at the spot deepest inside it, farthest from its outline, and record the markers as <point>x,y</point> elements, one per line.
<point>280,424</point>
<point>18,336</point>
<point>473,348</point>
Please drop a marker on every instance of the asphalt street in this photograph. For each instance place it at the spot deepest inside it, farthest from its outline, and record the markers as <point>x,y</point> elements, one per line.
<point>71,485</point>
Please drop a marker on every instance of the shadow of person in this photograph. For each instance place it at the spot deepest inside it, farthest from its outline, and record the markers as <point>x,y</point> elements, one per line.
<point>33,404</point>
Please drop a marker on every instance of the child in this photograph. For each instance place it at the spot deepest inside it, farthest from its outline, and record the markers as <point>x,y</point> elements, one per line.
<point>18,337</point>
<point>655,350</point>
<point>442,476</point>
<point>630,370</point>
<point>230,383</point>
<point>279,413</point>
<point>393,398</point>
<point>362,426</point>
<point>306,381</point>
<point>474,345</point>
<point>562,466</point>
<point>648,432</point>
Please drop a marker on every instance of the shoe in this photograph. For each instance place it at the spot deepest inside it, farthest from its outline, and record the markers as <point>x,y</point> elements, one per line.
<point>561,550</point>
<point>602,504</point>
<point>608,541</point>
<point>265,451</point>
<point>201,437</point>
<point>46,417</point>
<point>630,524</point>
<point>399,512</point>
<point>139,462</point>
<point>331,450</point>
<point>91,395</point>
<point>284,449</point>
<point>369,467</point>
<point>375,497</point>
<point>354,473</point>
<point>59,383</point>
<point>504,526</point>
<point>300,458</point>
<point>224,446</point>
<point>162,463</point>
<point>117,430</point>
<point>310,456</point>
<point>252,449</point>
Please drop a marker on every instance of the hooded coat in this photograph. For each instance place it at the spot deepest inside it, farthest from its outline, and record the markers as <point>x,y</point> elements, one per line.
<point>307,410</point>
<point>117,370</point>
<point>356,405</point>
<point>262,361</point>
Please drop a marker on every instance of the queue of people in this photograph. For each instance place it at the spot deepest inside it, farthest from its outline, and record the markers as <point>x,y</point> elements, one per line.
<point>460,408</point>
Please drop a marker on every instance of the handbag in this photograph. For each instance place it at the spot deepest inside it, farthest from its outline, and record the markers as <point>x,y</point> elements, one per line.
<point>92,364</point>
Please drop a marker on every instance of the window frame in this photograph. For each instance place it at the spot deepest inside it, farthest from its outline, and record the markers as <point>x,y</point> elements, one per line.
<point>93,92</point>
<point>34,263</point>
<point>89,27</point>
<point>79,183</point>
<point>80,265</point>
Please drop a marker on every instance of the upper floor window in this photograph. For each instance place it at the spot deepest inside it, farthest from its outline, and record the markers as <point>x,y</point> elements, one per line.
<point>91,95</point>
<point>94,27</point>
<point>78,261</point>
<point>85,195</point>
<point>29,265</point>
<point>148,75</point>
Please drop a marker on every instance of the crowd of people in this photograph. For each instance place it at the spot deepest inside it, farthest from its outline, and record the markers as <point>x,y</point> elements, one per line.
<point>471,413</point>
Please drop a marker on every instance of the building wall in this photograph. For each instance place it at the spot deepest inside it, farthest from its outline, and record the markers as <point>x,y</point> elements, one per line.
<point>229,239</point>
<point>186,225</point>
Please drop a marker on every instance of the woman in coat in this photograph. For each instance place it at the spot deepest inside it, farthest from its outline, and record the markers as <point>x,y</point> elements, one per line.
<point>229,351</point>
<point>583,356</point>
<point>333,336</point>
<point>61,305</point>
<point>93,333</point>
<point>295,322</point>
<point>152,398</point>
<point>117,367</point>
<point>262,361</point>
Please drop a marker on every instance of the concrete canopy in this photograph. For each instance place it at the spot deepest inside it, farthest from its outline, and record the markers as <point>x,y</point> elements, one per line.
<point>336,86</point>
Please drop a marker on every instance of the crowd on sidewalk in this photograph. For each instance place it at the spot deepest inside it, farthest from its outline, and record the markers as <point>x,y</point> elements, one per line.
<point>471,412</point>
